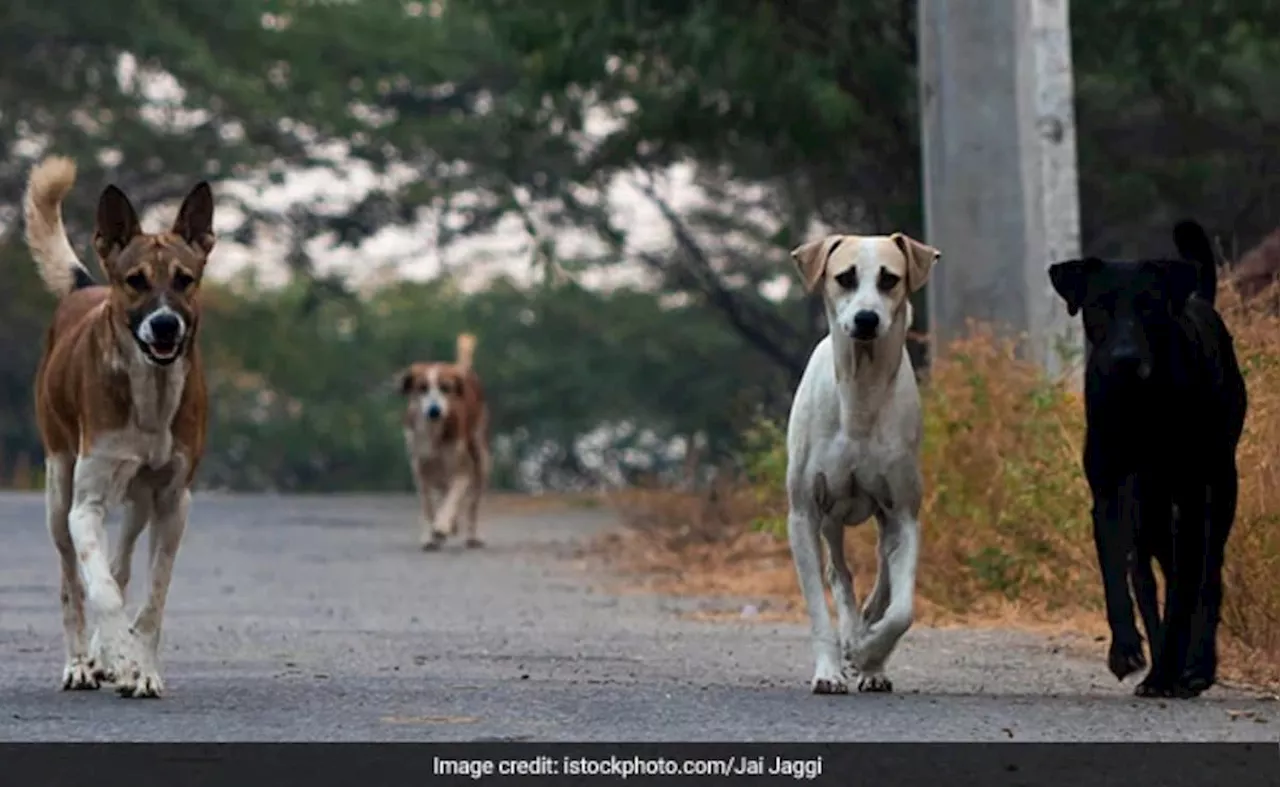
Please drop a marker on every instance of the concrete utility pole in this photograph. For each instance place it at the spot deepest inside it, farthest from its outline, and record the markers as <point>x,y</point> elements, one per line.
<point>1000,184</point>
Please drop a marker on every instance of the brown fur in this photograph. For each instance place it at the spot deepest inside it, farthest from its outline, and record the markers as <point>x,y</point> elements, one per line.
<point>121,407</point>
<point>82,384</point>
<point>456,445</point>
<point>79,396</point>
<point>1257,270</point>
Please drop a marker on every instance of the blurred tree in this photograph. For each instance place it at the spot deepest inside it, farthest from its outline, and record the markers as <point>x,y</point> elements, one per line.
<point>782,113</point>
<point>1178,117</point>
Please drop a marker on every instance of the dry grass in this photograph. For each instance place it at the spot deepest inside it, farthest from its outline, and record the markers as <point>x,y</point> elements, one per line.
<point>1007,536</point>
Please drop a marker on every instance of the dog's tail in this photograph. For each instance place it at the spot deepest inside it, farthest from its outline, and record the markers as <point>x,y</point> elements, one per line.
<point>1193,245</point>
<point>466,352</point>
<point>56,261</point>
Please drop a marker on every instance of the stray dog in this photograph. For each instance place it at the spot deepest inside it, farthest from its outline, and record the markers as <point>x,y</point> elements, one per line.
<point>853,450</point>
<point>1165,404</point>
<point>446,435</point>
<point>121,406</point>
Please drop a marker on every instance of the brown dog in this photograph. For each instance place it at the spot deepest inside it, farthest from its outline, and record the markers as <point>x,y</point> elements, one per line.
<point>120,401</point>
<point>446,435</point>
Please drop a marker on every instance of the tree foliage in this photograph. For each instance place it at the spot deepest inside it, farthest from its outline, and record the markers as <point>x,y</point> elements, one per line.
<point>786,116</point>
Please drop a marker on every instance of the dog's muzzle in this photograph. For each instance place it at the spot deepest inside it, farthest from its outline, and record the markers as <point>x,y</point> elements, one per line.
<point>865,324</point>
<point>1126,360</point>
<point>432,411</point>
<point>161,335</point>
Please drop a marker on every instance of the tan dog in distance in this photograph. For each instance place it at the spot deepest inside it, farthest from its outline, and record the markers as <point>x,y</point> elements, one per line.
<point>446,436</point>
<point>120,401</point>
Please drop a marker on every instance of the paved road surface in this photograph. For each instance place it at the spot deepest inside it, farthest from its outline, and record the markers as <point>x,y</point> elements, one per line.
<point>298,618</point>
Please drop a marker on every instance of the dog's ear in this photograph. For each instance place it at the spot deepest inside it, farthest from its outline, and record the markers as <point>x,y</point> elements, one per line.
<point>194,223</point>
<point>921,258</point>
<point>405,381</point>
<point>1070,279</point>
<point>117,222</point>
<point>811,259</point>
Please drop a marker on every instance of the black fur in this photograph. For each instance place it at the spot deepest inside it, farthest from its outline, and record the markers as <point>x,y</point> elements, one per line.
<point>81,278</point>
<point>1165,405</point>
<point>1193,244</point>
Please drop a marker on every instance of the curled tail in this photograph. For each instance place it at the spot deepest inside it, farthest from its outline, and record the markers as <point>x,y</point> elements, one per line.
<point>466,352</point>
<point>1193,244</point>
<point>56,261</point>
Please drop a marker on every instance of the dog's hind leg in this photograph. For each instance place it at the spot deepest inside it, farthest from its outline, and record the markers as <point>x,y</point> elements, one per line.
<point>1182,596</point>
<point>471,509</point>
<point>840,579</point>
<point>171,509</point>
<point>802,532</point>
<point>137,513</point>
<point>1154,523</point>
<point>1202,667</point>
<point>878,601</point>
<point>1143,579</point>
<point>900,534</point>
<point>77,674</point>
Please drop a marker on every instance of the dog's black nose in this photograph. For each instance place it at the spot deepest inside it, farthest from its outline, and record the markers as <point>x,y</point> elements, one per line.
<point>165,327</point>
<point>865,324</point>
<point>433,411</point>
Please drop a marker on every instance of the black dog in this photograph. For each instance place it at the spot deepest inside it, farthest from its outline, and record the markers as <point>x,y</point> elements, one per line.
<point>1164,405</point>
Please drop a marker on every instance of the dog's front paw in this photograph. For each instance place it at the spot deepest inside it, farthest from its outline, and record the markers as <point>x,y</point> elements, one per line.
<point>79,675</point>
<point>1193,685</point>
<point>1156,684</point>
<point>1124,659</point>
<point>1152,688</point>
<point>1185,689</point>
<point>874,683</point>
<point>102,660</point>
<point>139,681</point>
<point>827,680</point>
<point>433,541</point>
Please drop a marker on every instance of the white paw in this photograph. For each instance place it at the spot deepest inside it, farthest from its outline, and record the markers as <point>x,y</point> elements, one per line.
<point>79,675</point>
<point>101,661</point>
<point>874,682</point>
<point>137,676</point>
<point>140,682</point>
<point>827,680</point>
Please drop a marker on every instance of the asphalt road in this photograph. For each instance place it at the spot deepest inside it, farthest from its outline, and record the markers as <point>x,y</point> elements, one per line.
<point>308,618</point>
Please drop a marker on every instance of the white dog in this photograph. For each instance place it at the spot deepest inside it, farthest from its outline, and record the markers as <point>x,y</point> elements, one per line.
<point>853,450</point>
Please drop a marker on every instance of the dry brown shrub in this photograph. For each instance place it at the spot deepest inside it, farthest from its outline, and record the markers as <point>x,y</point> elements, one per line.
<point>1007,535</point>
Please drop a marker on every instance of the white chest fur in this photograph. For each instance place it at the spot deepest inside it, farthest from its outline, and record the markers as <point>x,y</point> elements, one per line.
<point>144,442</point>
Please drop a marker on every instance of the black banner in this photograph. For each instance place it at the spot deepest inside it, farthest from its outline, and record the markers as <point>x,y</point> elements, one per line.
<point>568,764</point>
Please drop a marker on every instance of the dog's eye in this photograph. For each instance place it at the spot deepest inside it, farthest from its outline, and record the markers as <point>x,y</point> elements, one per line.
<point>888,280</point>
<point>137,281</point>
<point>181,281</point>
<point>848,279</point>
